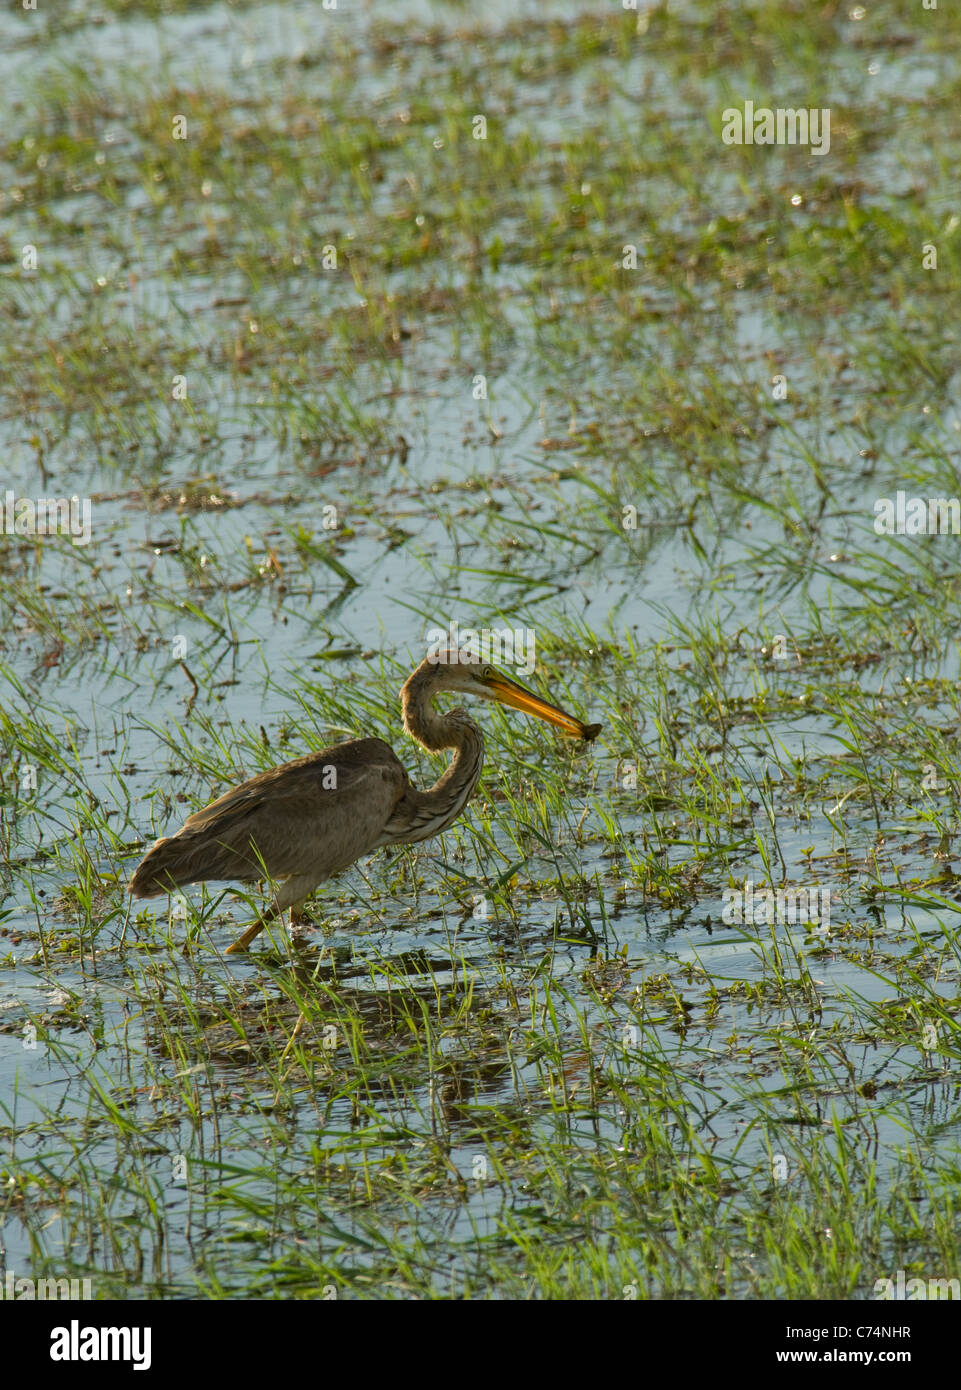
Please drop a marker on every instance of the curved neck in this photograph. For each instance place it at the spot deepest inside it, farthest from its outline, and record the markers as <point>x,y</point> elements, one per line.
<point>425,813</point>
<point>433,731</point>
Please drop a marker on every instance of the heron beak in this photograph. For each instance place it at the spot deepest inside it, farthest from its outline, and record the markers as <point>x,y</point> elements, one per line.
<point>508,692</point>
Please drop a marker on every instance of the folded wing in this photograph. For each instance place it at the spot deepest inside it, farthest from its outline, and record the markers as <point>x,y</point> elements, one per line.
<point>305,819</point>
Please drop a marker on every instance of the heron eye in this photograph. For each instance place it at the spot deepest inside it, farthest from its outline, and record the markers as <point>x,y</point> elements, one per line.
<point>487,673</point>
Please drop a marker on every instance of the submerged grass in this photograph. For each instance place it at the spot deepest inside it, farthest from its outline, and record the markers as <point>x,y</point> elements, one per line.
<point>334,371</point>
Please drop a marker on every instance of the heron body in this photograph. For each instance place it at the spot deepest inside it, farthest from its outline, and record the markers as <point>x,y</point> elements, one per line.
<point>303,822</point>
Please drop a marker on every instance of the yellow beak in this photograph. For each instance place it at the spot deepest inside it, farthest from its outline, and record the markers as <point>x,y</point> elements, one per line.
<point>508,692</point>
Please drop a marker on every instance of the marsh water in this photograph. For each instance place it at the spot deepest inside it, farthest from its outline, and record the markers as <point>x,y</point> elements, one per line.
<point>332,371</point>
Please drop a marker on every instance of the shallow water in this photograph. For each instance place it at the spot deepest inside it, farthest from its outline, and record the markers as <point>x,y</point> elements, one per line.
<point>208,525</point>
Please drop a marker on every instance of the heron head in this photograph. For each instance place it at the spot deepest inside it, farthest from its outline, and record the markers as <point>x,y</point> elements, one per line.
<point>461,672</point>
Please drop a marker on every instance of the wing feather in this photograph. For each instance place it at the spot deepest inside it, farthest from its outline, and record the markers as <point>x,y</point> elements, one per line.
<point>307,818</point>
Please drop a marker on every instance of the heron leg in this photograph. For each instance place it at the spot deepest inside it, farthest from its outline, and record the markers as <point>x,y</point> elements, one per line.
<point>245,938</point>
<point>292,895</point>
